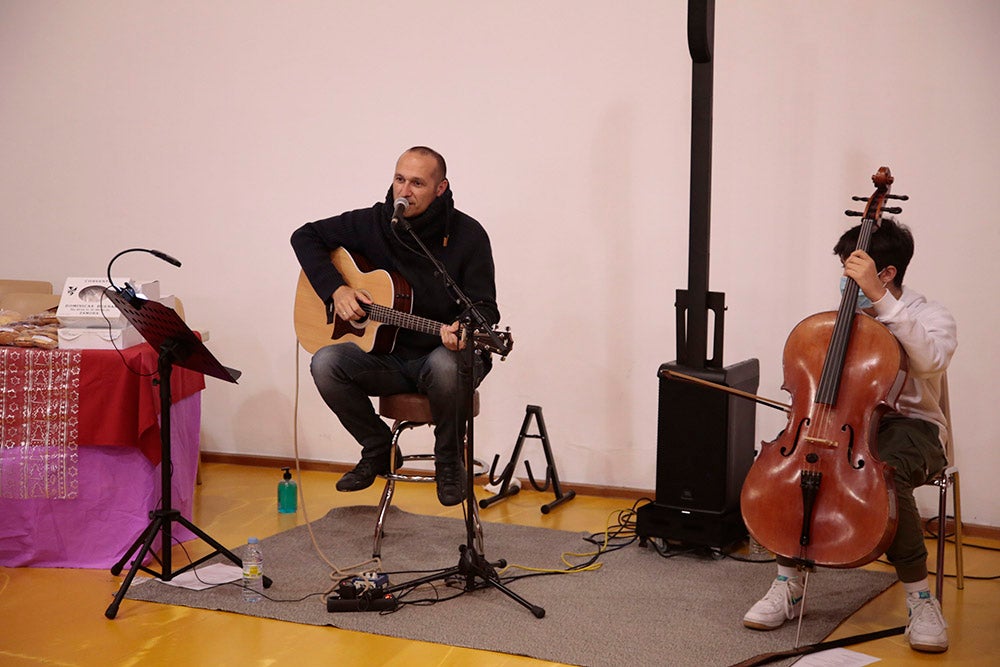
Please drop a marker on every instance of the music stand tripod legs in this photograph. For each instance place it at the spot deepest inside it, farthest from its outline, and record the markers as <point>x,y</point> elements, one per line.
<point>162,519</point>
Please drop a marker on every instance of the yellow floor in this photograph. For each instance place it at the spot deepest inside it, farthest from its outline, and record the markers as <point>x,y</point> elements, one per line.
<point>56,617</point>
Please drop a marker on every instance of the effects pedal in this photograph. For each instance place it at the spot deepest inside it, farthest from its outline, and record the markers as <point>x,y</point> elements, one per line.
<point>362,593</point>
<point>381,602</point>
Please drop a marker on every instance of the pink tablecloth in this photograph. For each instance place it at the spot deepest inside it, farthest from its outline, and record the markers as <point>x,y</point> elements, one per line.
<point>118,487</point>
<point>79,454</point>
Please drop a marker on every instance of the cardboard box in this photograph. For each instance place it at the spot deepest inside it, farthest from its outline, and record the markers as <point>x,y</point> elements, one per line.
<point>84,304</point>
<point>94,338</point>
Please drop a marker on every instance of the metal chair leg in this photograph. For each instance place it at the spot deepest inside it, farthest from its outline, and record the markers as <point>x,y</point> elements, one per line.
<point>949,477</point>
<point>942,532</point>
<point>478,528</point>
<point>956,501</point>
<point>387,492</point>
<point>383,509</point>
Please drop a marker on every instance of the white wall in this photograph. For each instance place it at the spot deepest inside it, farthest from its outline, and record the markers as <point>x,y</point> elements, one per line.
<point>211,130</point>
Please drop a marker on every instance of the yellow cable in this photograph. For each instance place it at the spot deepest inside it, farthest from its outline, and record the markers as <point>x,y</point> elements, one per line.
<point>570,554</point>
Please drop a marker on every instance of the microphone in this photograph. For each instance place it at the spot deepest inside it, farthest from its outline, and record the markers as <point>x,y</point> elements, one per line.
<point>165,257</point>
<point>400,206</point>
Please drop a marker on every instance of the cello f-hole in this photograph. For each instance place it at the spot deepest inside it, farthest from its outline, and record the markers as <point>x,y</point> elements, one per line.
<point>847,428</point>
<point>795,441</point>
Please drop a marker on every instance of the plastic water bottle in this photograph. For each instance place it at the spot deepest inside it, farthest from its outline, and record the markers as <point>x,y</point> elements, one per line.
<point>253,572</point>
<point>288,494</point>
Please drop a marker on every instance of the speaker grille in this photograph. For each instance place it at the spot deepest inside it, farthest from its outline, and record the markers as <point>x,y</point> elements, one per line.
<point>705,439</point>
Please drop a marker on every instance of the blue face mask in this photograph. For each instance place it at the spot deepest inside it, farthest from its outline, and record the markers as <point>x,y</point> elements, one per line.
<point>863,301</point>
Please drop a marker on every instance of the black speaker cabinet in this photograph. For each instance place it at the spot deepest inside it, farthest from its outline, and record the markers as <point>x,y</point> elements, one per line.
<point>705,446</point>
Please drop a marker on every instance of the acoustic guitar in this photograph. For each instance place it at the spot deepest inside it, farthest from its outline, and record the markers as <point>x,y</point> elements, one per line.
<point>391,309</point>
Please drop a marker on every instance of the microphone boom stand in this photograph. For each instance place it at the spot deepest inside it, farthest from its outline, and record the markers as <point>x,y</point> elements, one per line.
<point>471,563</point>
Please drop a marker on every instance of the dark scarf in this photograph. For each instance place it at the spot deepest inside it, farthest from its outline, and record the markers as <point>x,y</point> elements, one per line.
<point>434,223</point>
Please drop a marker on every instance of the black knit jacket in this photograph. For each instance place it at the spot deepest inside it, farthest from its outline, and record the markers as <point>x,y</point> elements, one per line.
<point>457,240</point>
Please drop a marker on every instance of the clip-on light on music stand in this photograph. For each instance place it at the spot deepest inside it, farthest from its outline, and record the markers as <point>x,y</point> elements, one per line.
<point>166,332</point>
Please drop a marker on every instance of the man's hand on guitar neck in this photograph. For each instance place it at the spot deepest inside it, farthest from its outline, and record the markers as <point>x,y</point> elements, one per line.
<point>450,336</point>
<point>346,303</point>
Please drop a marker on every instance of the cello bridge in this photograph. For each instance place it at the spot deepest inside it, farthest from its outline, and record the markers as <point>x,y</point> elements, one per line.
<point>821,442</point>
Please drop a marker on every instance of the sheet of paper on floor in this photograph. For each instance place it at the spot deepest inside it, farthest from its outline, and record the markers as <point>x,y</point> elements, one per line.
<point>836,657</point>
<point>206,577</point>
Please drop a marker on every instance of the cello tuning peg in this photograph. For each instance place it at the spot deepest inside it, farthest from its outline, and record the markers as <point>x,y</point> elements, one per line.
<point>892,209</point>
<point>853,214</point>
<point>857,198</point>
<point>899,197</point>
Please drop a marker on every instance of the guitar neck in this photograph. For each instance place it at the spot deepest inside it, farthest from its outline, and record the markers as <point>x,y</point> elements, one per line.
<point>400,319</point>
<point>404,320</point>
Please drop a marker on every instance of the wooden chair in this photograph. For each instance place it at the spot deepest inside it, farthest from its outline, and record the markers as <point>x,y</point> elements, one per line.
<point>944,479</point>
<point>25,286</point>
<point>409,411</point>
<point>28,303</point>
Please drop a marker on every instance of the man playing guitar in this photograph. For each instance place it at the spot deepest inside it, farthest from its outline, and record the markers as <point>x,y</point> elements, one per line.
<point>346,373</point>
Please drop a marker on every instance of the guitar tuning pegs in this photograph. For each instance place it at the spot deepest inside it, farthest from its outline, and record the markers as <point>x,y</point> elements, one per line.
<point>853,214</point>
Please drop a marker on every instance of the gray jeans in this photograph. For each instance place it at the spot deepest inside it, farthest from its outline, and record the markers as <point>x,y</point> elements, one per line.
<point>346,377</point>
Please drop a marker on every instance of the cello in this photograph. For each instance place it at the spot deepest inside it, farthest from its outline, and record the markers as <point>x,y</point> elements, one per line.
<point>818,493</point>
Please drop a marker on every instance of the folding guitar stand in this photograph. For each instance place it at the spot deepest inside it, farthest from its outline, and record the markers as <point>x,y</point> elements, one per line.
<point>163,329</point>
<point>551,476</point>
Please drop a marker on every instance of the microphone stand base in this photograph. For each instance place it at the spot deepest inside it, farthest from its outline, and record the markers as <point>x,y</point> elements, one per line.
<point>471,565</point>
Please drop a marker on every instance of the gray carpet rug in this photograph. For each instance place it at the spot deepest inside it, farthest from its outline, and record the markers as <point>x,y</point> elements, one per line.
<point>638,609</point>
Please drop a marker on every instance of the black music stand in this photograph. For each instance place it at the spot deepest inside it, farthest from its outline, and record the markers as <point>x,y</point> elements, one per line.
<point>166,332</point>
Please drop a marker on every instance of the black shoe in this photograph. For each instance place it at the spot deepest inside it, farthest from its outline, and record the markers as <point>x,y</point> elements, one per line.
<point>366,471</point>
<point>450,478</point>
<point>363,475</point>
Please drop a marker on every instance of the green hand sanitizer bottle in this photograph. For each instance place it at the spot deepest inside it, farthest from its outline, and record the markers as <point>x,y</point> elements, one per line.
<point>288,494</point>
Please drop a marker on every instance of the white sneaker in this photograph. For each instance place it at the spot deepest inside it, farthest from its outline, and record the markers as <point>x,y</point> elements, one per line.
<point>926,628</point>
<point>783,602</point>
